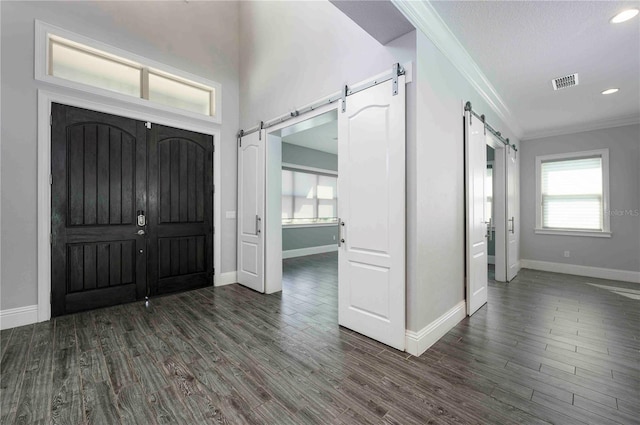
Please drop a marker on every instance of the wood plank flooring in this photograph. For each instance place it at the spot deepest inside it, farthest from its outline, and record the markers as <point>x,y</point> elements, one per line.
<point>548,348</point>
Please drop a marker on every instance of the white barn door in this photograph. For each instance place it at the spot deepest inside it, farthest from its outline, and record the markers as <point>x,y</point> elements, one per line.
<point>371,207</point>
<point>251,192</point>
<point>513,221</point>
<point>476,227</point>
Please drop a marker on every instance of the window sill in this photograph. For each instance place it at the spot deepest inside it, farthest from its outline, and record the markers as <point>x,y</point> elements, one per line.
<point>568,232</point>
<point>298,226</point>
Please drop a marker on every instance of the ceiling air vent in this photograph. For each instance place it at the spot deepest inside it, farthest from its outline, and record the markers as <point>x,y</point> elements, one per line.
<point>564,82</point>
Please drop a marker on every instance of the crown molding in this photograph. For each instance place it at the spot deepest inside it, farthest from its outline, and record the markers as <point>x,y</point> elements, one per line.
<point>582,127</point>
<point>425,18</point>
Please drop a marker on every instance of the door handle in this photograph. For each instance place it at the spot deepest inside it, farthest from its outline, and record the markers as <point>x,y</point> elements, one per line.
<point>258,221</point>
<point>340,226</point>
<point>140,232</point>
<point>513,225</point>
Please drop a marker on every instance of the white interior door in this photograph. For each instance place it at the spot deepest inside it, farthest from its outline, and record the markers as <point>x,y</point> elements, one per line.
<point>476,227</point>
<point>513,222</point>
<point>371,184</point>
<point>251,190</point>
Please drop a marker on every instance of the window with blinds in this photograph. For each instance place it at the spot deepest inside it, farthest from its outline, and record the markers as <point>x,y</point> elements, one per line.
<point>572,192</point>
<point>309,198</point>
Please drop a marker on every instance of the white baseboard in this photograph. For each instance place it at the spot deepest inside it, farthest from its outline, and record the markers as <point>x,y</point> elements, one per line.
<point>597,272</point>
<point>417,343</point>
<point>309,251</point>
<point>491,259</point>
<point>14,317</point>
<point>227,279</point>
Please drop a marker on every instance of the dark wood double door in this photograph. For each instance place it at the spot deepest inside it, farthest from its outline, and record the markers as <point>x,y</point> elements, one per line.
<point>131,210</point>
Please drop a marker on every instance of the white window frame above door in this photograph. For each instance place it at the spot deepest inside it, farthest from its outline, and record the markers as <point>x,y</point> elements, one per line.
<point>95,103</point>
<point>606,221</point>
<point>42,59</point>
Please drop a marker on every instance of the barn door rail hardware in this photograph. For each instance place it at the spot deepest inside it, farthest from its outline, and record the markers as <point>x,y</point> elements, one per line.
<point>396,71</point>
<point>468,108</point>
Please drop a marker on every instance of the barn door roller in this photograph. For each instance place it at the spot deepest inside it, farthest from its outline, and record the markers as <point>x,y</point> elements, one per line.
<point>396,71</point>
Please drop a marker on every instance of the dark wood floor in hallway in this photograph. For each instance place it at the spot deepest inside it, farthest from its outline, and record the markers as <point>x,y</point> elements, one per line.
<point>548,348</point>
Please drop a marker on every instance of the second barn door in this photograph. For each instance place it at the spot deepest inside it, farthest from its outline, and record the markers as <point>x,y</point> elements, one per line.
<point>475,222</point>
<point>180,218</point>
<point>513,230</point>
<point>371,181</point>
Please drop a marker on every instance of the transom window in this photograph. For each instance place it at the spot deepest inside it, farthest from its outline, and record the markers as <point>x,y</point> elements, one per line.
<point>83,64</point>
<point>71,60</point>
<point>309,197</point>
<point>572,192</point>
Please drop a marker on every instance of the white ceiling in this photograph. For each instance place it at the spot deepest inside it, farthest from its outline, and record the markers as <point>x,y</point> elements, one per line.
<point>522,45</point>
<point>323,137</point>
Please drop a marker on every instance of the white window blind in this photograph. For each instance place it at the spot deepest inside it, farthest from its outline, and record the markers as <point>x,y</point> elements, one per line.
<point>572,194</point>
<point>308,198</point>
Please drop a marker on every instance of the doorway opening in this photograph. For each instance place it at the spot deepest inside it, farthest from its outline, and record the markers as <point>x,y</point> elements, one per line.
<point>309,216</point>
<point>495,210</point>
<point>489,215</point>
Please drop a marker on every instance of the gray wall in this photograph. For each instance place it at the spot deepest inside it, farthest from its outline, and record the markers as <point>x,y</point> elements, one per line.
<point>435,186</point>
<point>622,250</point>
<point>294,53</point>
<point>208,47</point>
<point>307,237</point>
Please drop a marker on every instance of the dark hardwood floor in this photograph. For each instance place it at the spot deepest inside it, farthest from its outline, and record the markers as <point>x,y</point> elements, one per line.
<point>548,348</point>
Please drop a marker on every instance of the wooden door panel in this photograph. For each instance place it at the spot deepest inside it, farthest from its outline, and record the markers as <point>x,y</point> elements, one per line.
<point>101,175</point>
<point>182,181</point>
<point>100,265</point>
<point>180,236</point>
<point>98,181</point>
<point>180,256</point>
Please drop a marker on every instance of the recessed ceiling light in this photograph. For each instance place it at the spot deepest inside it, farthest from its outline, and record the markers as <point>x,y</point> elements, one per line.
<point>624,16</point>
<point>610,91</point>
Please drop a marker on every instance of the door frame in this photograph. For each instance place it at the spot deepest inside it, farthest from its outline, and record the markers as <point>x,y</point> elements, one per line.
<point>114,107</point>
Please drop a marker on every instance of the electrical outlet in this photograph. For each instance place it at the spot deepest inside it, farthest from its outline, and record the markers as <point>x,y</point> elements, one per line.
<point>567,254</point>
<point>334,237</point>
